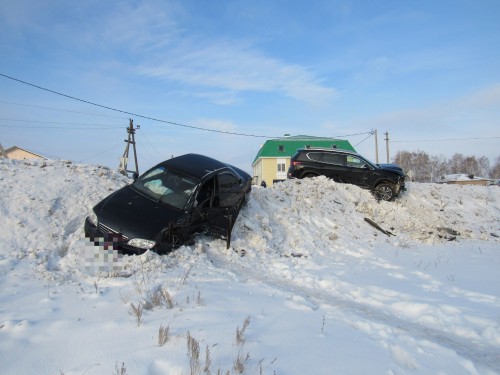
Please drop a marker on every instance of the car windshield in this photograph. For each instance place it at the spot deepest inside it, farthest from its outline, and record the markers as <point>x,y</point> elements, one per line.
<point>166,186</point>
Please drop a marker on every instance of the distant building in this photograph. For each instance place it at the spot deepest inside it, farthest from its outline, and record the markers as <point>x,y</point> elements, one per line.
<point>464,179</point>
<point>19,153</point>
<point>273,159</point>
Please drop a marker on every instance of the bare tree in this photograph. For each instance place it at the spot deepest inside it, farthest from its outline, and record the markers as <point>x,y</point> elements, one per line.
<point>455,164</point>
<point>438,167</point>
<point>483,166</point>
<point>495,170</point>
<point>421,167</point>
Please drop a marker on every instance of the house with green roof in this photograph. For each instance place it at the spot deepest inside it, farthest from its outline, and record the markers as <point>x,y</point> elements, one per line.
<point>273,159</point>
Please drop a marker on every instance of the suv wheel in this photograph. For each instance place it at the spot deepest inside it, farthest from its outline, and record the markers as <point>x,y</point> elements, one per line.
<point>385,191</point>
<point>309,175</point>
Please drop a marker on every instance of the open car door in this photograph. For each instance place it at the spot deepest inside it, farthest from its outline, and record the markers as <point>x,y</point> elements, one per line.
<point>210,216</point>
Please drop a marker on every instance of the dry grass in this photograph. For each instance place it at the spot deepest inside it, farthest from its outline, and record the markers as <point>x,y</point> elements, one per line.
<point>193,352</point>
<point>240,333</point>
<point>208,361</point>
<point>240,362</point>
<point>120,370</point>
<point>136,311</point>
<point>158,297</point>
<point>163,335</point>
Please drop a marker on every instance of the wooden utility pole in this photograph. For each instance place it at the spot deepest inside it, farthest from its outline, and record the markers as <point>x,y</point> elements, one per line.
<point>376,146</point>
<point>2,152</point>
<point>387,145</point>
<point>130,140</point>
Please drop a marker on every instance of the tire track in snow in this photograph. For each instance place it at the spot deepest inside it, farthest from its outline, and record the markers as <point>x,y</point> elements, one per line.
<point>344,309</point>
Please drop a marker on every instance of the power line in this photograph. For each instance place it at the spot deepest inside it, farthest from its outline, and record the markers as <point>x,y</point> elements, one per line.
<point>59,127</point>
<point>61,110</point>
<point>370,134</point>
<point>155,119</point>
<point>449,139</point>
<point>96,126</point>
<point>108,149</point>
<point>131,113</point>
<point>150,144</point>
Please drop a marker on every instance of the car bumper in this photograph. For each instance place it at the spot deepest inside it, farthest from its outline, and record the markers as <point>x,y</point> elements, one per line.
<point>400,187</point>
<point>102,236</point>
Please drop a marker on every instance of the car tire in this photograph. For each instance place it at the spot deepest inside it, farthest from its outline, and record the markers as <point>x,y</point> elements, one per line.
<point>176,239</point>
<point>309,175</point>
<point>385,192</point>
<point>170,242</point>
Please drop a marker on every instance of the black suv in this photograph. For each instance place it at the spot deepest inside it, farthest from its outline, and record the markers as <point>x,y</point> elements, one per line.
<point>385,180</point>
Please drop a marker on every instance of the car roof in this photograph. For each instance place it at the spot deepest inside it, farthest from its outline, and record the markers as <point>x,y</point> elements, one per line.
<point>195,165</point>
<point>337,150</point>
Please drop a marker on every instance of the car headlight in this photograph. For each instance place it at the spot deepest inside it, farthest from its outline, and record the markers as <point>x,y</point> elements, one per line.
<point>92,217</point>
<point>141,243</point>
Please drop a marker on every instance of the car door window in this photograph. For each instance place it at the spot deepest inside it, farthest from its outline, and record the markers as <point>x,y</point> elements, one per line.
<point>227,181</point>
<point>228,186</point>
<point>315,156</point>
<point>355,162</point>
<point>335,159</point>
<point>205,197</point>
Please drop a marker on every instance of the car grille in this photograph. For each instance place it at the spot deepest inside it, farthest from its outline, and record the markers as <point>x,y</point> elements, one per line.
<point>107,231</point>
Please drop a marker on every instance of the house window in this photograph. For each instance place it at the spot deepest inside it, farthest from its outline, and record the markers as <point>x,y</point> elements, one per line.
<point>281,164</point>
<point>281,148</point>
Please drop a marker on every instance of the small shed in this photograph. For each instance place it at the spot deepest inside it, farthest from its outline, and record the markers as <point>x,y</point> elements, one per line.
<point>466,179</point>
<point>19,153</point>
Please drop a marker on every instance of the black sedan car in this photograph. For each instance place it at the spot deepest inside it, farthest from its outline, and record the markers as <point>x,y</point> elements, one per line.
<point>167,205</point>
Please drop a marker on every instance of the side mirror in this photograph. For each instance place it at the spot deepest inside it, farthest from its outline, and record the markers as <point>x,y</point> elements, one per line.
<point>135,175</point>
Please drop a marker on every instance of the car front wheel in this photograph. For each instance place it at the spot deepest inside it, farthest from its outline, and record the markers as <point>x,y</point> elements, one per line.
<point>170,242</point>
<point>309,175</point>
<point>385,192</point>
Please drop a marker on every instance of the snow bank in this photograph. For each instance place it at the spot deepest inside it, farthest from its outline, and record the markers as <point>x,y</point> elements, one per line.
<point>324,292</point>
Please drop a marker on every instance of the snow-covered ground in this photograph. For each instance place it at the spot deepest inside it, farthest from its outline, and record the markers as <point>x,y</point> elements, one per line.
<point>307,287</point>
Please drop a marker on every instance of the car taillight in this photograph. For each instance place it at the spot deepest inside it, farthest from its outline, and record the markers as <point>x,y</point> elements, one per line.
<point>294,163</point>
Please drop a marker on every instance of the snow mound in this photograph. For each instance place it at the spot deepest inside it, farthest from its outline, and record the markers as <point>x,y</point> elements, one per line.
<point>44,203</point>
<point>304,266</point>
<point>301,217</point>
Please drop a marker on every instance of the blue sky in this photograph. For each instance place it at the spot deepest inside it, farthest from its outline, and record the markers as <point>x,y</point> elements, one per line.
<point>427,72</point>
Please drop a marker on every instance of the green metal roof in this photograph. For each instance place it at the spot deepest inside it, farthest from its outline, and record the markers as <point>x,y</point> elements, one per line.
<point>287,146</point>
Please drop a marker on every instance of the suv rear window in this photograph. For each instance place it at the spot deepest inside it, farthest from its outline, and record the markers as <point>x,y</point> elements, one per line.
<point>327,157</point>
<point>336,159</point>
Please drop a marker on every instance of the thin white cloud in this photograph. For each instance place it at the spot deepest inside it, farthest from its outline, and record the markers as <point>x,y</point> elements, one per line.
<point>473,115</point>
<point>235,67</point>
<point>142,28</point>
<point>156,39</point>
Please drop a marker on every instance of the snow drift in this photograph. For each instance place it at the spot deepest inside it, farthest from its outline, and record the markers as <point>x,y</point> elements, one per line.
<point>323,291</point>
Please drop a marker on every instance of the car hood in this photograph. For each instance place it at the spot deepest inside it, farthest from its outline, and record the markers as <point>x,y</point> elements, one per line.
<point>134,215</point>
<point>392,167</point>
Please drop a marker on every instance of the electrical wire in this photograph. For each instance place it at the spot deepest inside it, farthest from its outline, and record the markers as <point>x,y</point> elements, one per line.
<point>150,144</point>
<point>79,125</point>
<point>109,149</point>
<point>443,140</point>
<point>371,133</point>
<point>149,117</point>
<point>61,110</point>
<point>131,113</point>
